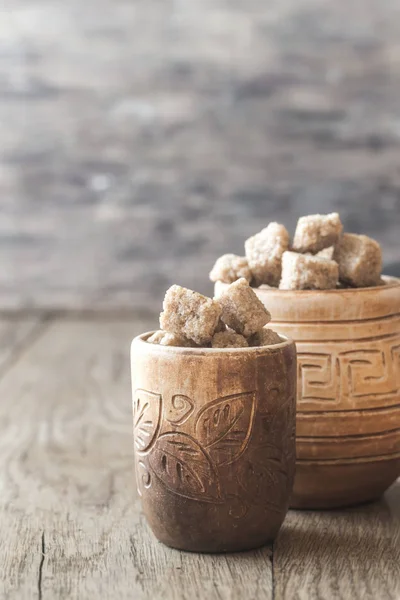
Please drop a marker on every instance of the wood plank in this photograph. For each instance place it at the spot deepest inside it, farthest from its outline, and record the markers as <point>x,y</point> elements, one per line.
<point>69,514</point>
<point>350,554</point>
<point>15,335</point>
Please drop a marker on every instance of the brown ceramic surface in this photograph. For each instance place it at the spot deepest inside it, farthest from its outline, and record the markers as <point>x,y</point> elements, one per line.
<point>348,402</point>
<point>214,441</point>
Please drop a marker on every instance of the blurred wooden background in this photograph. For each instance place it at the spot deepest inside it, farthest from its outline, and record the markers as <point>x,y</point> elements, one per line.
<point>142,138</point>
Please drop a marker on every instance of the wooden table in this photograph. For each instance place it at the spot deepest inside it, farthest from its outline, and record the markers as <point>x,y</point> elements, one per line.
<point>70,520</point>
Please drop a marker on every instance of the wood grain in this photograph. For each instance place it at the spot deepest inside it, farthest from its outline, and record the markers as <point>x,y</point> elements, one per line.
<point>15,336</point>
<point>70,520</point>
<point>347,554</point>
<point>69,515</point>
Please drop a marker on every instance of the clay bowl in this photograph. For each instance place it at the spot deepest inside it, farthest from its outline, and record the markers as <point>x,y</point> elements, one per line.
<point>348,399</point>
<point>214,442</point>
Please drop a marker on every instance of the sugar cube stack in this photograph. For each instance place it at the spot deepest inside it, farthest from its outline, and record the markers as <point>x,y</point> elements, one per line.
<point>321,257</point>
<point>235,320</point>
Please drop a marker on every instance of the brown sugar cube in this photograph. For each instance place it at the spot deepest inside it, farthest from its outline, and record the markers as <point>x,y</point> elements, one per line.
<point>315,232</point>
<point>230,267</point>
<point>265,337</point>
<point>242,311</point>
<point>220,326</point>
<point>228,339</point>
<point>360,260</point>
<point>326,253</point>
<point>306,272</point>
<point>169,339</point>
<point>189,314</point>
<point>264,253</point>
<point>156,337</point>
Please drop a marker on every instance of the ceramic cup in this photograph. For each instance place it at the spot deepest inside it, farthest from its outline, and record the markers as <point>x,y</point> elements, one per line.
<point>214,442</point>
<point>348,402</point>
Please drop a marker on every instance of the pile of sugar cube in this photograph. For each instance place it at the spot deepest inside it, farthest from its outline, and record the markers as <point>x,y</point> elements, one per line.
<point>235,320</point>
<point>320,257</point>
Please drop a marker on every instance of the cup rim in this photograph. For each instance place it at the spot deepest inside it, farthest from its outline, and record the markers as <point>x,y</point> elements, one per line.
<point>390,282</point>
<point>141,340</point>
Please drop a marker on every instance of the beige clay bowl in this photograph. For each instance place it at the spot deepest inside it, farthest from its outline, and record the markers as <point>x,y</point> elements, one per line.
<point>348,399</point>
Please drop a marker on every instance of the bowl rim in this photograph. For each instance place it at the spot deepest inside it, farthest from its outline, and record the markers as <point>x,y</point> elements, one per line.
<point>391,282</point>
<point>141,341</point>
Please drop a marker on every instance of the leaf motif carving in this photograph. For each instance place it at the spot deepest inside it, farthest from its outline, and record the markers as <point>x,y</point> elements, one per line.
<point>285,420</point>
<point>267,476</point>
<point>224,426</point>
<point>181,409</point>
<point>143,477</point>
<point>262,484</point>
<point>146,419</point>
<point>184,468</point>
<point>285,414</point>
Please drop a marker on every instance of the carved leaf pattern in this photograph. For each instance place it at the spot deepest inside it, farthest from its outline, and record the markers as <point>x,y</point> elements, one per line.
<point>285,418</point>
<point>181,409</point>
<point>262,483</point>
<point>224,426</point>
<point>184,468</point>
<point>284,414</point>
<point>146,419</point>
<point>270,473</point>
<point>143,477</point>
